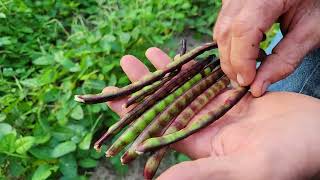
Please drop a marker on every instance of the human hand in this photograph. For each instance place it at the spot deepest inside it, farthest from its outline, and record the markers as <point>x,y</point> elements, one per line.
<point>240,28</point>
<point>272,137</point>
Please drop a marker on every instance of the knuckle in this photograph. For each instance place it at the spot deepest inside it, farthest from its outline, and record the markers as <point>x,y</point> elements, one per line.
<point>289,66</point>
<point>240,28</point>
<point>220,32</point>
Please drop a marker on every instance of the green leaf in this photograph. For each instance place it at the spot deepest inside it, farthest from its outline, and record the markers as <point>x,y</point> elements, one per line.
<point>44,60</point>
<point>94,84</point>
<point>65,62</point>
<point>41,152</point>
<point>16,169</point>
<point>24,144</point>
<point>112,80</point>
<point>7,143</point>
<point>77,113</point>
<point>63,148</point>
<point>43,138</point>
<point>6,40</point>
<point>88,163</point>
<point>86,141</point>
<point>2,15</point>
<point>2,117</point>
<point>68,165</point>
<point>5,129</point>
<point>8,72</point>
<point>43,172</point>
<point>51,95</point>
<point>31,83</point>
<point>124,38</point>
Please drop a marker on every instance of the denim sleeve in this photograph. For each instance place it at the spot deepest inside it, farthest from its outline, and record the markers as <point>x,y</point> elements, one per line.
<point>305,79</point>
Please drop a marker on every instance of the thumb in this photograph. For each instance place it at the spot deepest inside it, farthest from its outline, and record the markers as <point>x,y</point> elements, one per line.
<point>286,57</point>
<point>205,168</point>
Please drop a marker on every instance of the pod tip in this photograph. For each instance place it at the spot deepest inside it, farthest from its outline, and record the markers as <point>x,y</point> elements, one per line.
<point>139,152</point>
<point>108,154</point>
<point>78,98</point>
<point>97,147</point>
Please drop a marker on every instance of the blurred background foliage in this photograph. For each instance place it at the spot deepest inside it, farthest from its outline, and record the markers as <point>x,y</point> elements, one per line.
<point>53,49</point>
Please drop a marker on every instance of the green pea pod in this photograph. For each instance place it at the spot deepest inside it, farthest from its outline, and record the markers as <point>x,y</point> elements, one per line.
<point>174,83</point>
<point>173,110</point>
<point>204,121</point>
<point>137,127</point>
<point>181,121</point>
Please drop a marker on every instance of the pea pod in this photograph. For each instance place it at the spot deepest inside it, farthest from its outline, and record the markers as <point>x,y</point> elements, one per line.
<point>174,83</point>
<point>181,121</point>
<point>137,127</point>
<point>173,110</point>
<point>204,121</point>
<point>157,75</point>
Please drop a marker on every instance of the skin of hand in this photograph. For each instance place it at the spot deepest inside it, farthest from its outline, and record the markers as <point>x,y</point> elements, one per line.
<point>275,136</point>
<point>239,30</point>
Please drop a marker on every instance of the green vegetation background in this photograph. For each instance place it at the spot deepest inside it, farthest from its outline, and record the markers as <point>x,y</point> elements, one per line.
<point>53,49</point>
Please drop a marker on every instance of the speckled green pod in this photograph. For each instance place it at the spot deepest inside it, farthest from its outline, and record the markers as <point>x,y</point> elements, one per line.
<point>137,127</point>
<point>181,121</point>
<point>204,121</point>
<point>173,110</point>
<point>174,83</point>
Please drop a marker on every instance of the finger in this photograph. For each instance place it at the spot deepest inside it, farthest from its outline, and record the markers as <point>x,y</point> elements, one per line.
<point>205,168</point>
<point>116,105</point>
<point>247,32</point>
<point>158,58</point>
<point>133,68</point>
<point>200,144</point>
<point>222,34</point>
<point>287,55</point>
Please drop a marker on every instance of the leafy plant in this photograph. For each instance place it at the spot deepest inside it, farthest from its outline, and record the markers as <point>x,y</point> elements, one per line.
<point>51,50</point>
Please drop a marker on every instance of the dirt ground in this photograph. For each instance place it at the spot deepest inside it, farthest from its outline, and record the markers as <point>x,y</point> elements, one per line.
<point>135,170</point>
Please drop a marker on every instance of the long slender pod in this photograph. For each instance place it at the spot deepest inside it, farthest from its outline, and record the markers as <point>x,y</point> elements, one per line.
<point>183,47</point>
<point>181,121</point>
<point>204,121</point>
<point>177,81</point>
<point>157,75</point>
<point>153,162</point>
<point>173,110</point>
<point>137,127</point>
<point>146,91</point>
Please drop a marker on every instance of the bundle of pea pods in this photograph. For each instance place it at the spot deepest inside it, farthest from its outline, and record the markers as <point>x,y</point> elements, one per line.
<point>163,105</point>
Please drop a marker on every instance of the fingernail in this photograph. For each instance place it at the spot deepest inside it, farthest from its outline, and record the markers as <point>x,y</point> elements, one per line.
<point>240,79</point>
<point>234,83</point>
<point>264,87</point>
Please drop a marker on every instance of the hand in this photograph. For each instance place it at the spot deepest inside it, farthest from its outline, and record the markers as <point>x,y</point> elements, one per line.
<point>276,136</point>
<point>239,30</point>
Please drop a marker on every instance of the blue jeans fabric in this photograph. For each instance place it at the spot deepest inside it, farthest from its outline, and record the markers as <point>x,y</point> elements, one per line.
<point>306,78</point>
